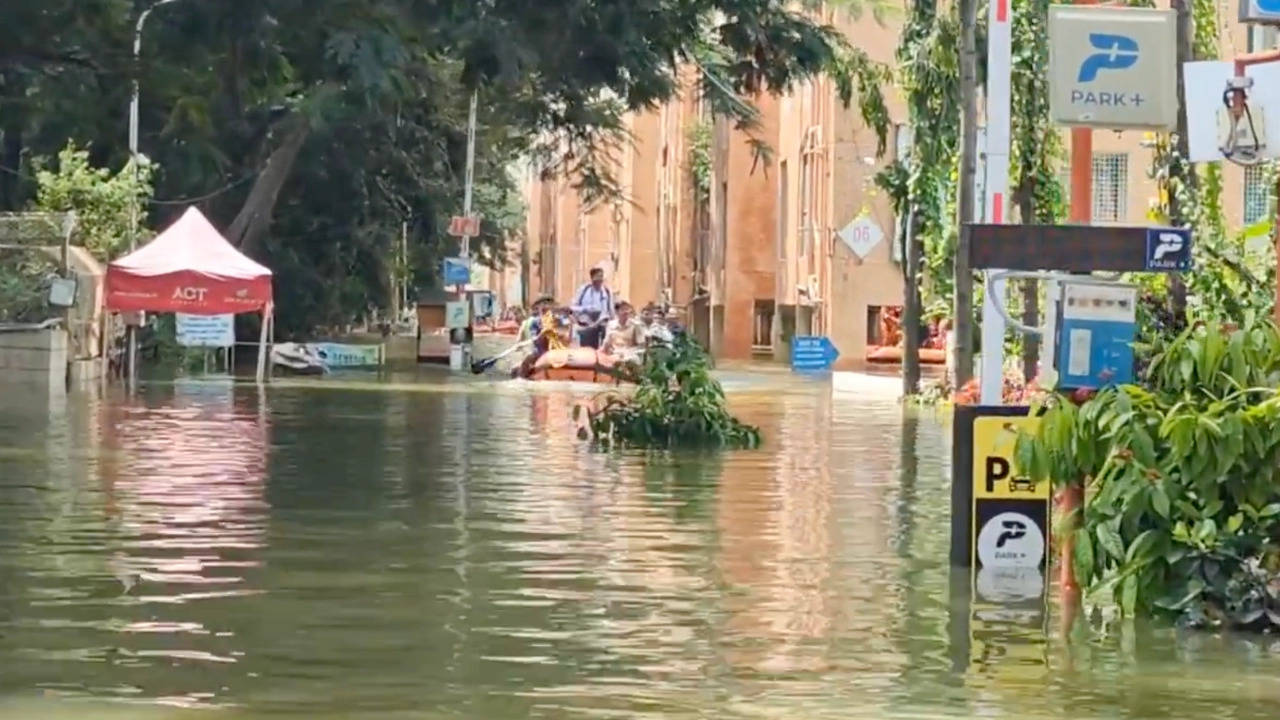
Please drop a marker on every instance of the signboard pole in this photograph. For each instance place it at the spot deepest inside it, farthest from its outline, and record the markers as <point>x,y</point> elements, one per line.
<point>459,352</point>
<point>999,78</point>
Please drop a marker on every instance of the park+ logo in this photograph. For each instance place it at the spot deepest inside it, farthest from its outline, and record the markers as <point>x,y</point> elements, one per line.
<point>1119,52</point>
<point>1011,540</point>
<point>1168,249</point>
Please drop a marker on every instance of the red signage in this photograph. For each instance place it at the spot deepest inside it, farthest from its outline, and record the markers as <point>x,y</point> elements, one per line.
<point>464,226</point>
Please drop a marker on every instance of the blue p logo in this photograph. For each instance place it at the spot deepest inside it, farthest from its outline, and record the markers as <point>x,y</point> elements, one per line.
<point>1118,52</point>
<point>1268,6</point>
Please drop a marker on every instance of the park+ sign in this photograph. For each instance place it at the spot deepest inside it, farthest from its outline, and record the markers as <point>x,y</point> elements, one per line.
<point>1000,515</point>
<point>1168,249</point>
<point>457,271</point>
<point>1262,12</point>
<point>1113,67</point>
<point>812,353</point>
<point>207,331</point>
<point>1079,248</point>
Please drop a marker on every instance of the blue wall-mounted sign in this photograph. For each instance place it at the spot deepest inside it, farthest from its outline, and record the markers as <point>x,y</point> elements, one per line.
<point>1168,249</point>
<point>457,271</point>
<point>812,353</point>
<point>1095,339</point>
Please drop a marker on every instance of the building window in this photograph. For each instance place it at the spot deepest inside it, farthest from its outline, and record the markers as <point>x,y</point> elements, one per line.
<point>762,329</point>
<point>1257,194</point>
<point>1110,187</point>
<point>1262,37</point>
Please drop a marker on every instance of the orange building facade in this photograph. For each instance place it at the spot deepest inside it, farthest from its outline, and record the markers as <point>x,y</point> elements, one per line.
<point>746,250</point>
<point>750,252</point>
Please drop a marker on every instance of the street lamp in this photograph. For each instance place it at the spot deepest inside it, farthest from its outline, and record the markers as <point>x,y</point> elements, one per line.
<point>133,156</point>
<point>133,118</point>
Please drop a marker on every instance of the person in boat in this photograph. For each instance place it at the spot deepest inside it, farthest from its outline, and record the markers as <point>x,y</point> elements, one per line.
<point>549,330</point>
<point>655,332</point>
<point>540,306</point>
<point>593,308</point>
<point>625,336</point>
<point>671,326</point>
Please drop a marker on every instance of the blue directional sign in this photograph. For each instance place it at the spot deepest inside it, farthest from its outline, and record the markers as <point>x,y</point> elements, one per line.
<point>812,353</point>
<point>1168,249</point>
<point>457,271</point>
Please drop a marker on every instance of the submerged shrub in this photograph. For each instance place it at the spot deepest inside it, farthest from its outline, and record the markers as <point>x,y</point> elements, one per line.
<point>1182,508</point>
<point>676,403</point>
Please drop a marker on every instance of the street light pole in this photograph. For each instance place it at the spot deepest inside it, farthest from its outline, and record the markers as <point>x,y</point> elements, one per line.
<point>133,158</point>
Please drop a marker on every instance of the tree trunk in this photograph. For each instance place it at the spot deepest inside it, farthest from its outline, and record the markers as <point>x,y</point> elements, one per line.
<point>254,218</point>
<point>11,152</point>
<point>1030,290</point>
<point>966,200</point>
<point>911,306</point>
<point>1182,171</point>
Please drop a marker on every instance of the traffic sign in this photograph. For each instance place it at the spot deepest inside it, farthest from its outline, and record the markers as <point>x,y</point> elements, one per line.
<point>464,225</point>
<point>810,353</point>
<point>457,271</point>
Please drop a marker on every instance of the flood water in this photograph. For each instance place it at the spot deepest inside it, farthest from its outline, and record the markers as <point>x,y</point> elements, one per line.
<point>419,548</point>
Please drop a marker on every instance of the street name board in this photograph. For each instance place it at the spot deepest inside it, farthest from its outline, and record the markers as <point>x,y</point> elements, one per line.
<point>210,331</point>
<point>1113,67</point>
<point>457,271</point>
<point>812,353</point>
<point>464,225</point>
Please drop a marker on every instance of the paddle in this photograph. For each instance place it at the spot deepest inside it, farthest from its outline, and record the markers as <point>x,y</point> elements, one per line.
<point>480,366</point>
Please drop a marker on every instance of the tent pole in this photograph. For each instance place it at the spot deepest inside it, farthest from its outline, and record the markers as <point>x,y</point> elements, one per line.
<point>132,331</point>
<point>262,343</point>
<point>271,341</point>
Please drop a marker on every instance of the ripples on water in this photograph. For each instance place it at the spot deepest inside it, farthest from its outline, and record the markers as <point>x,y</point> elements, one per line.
<point>421,551</point>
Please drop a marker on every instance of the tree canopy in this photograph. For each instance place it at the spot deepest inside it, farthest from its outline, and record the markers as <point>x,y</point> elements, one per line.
<point>312,131</point>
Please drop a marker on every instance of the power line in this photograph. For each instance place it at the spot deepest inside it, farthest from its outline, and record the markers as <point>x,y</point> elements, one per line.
<point>176,201</point>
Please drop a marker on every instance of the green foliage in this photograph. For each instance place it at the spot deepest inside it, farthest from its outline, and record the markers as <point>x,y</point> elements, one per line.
<point>325,126</point>
<point>1037,150</point>
<point>676,403</point>
<point>925,180</point>
<point>102,201</point>
<point>24,286</point>
<point>700,164</point>
<point>1182,510</point>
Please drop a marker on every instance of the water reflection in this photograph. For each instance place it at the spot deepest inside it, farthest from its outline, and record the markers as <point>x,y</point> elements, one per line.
<point>425,550</point>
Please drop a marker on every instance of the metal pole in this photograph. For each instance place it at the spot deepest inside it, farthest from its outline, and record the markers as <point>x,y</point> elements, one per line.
<point>464,348</point>
<point>471,172</point>
<point>996,190</point>
<point>133,159</point>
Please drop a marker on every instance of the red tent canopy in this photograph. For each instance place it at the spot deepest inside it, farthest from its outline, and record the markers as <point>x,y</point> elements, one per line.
<point>189,268</point>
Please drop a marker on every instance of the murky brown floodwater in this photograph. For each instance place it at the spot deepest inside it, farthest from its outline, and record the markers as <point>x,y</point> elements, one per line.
<point>363,549</point>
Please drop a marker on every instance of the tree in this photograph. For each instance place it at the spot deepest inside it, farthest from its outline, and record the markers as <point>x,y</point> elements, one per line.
<point>967,202</point>
<point>103,202</point>
<point>1037,149</point>
<point>921,186</point>
<point>311,132</point>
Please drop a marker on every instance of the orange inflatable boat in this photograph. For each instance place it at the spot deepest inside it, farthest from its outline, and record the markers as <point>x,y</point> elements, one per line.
<point>576,364</point>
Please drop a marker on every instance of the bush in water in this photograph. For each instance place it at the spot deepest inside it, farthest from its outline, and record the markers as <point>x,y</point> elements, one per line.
<point>1182,505</point>
<point>676,403</point>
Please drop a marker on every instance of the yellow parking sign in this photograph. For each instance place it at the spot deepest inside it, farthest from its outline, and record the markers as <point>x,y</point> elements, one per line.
<point>995,475</point>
